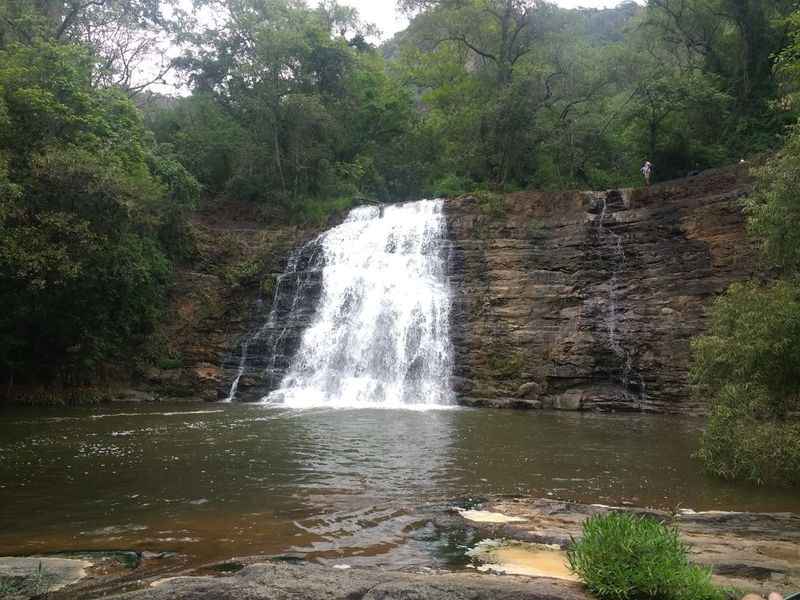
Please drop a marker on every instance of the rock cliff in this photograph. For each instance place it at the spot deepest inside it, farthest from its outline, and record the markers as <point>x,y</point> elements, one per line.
<point>588,301</point>
<point>220,297</point>
<point>571,300</point>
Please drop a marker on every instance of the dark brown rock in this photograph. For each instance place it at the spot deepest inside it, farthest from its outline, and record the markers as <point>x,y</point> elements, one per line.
<point>588,301</point>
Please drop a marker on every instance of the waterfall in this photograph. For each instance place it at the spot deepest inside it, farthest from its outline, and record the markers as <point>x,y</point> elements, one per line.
<point>614,242</point>
<point>380,335</point>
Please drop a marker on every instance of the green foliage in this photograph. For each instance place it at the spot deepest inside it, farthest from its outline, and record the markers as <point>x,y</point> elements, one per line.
<point>491,204</point>
<point>503,365</point>
<point>739,443</point>
<point>774,209</point>
<point>242,273</point>
<point>748,364</point>
<point>450,186</point>
<point>322,120</point>
<point>171,362</point>
<point>748,361</point>
<point>621,556</point>
<point>754,339</point>
<point>319,212</point>
<point>522,94</point>
<point>203,136</point>
<point>89,209</point>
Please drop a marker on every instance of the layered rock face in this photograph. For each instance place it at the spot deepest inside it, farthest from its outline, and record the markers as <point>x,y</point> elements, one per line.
<point>222,299</point>
<point>588,301</point>
<point>282,312</point>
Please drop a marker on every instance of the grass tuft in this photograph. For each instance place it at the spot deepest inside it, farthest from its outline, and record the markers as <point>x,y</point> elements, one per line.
<point>628,557</point>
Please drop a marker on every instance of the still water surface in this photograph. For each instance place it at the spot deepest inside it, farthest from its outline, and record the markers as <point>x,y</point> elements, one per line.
<point>358,486</point>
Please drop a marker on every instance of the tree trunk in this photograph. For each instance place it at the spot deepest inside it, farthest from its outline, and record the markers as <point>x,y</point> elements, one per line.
<point>278,161</point>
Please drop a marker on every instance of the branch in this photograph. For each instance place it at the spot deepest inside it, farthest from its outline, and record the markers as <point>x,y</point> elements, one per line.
<point>14,25</point>
<point>73,14</point>
<point>466,42</point>
<point>548,84</point>
<point>137,89</point>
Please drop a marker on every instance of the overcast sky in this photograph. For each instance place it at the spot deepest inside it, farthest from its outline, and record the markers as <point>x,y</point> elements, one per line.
<point>384,14</point>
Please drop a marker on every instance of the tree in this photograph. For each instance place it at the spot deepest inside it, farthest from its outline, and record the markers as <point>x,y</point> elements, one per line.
<point>87,206</point>
<point>128,39</point>
<point>309,112</point>
<point>749,360</point>
<point>774,210</point>
<point>498,32</point>
<point>733,40</point>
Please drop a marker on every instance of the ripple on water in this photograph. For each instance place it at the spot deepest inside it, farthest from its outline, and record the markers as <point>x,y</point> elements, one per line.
<point>327,483</point>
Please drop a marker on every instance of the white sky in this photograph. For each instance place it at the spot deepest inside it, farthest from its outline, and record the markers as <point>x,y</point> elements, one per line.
<point>389,20</point>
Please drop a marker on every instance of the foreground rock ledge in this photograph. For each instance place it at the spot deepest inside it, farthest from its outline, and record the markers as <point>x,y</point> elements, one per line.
<point>751,552</point>
<point>277,581</point>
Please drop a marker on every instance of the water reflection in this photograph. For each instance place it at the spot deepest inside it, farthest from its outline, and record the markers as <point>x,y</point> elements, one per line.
<point>373,472</point>
<point>353,486</point>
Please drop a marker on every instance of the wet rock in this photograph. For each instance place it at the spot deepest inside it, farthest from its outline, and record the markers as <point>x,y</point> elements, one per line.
<point>593,296</point>
<point>749,551</point>
<point>571,400</point>
<point>28,577</point>
<point>531,390</point>
<point>277,581</point>
<point>131,395</point>
<point>274,328</point>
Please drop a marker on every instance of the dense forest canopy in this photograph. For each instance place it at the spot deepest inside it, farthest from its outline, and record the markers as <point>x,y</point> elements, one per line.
<point>294,107</point>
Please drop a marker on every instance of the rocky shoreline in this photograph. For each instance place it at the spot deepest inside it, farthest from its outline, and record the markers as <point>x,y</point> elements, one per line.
<point>748,552</point>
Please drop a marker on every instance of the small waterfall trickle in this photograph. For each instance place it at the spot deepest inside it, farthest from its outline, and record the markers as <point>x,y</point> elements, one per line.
<point>613,243</point>
<point>264,353</point>
<point>380,335</point>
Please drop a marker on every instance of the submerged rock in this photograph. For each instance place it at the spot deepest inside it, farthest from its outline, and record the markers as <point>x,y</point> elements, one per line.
<point>521,558</point>
<point>483,516</point>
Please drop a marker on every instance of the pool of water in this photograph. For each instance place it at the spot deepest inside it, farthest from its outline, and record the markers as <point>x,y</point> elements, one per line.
<point>353,486</point>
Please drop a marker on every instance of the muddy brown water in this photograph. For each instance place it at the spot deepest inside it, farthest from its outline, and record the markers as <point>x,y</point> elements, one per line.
<point>337,486</point>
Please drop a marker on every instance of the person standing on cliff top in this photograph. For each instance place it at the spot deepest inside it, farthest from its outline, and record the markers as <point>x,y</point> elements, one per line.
<point>647,171</point>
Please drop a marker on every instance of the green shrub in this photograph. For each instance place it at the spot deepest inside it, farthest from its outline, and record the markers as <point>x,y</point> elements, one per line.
<point>450,186</point>
<point>492,204</point>
<point>623,556</point>
<point>754,338</point>
<point>738,443</point>
<point>747,365</point>
<point>318,212</point>
<point>773,210</point>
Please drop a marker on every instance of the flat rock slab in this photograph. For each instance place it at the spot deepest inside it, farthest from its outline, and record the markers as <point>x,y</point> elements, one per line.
<point>278,581</point>
<point>25,577</point>
<point>753,552</point>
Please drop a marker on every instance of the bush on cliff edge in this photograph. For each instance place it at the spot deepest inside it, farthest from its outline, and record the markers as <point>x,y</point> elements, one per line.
<point>625,557</point>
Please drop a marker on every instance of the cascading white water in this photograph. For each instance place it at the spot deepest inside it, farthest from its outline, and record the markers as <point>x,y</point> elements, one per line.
<point>612,318</point>
<point>380,336</point>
